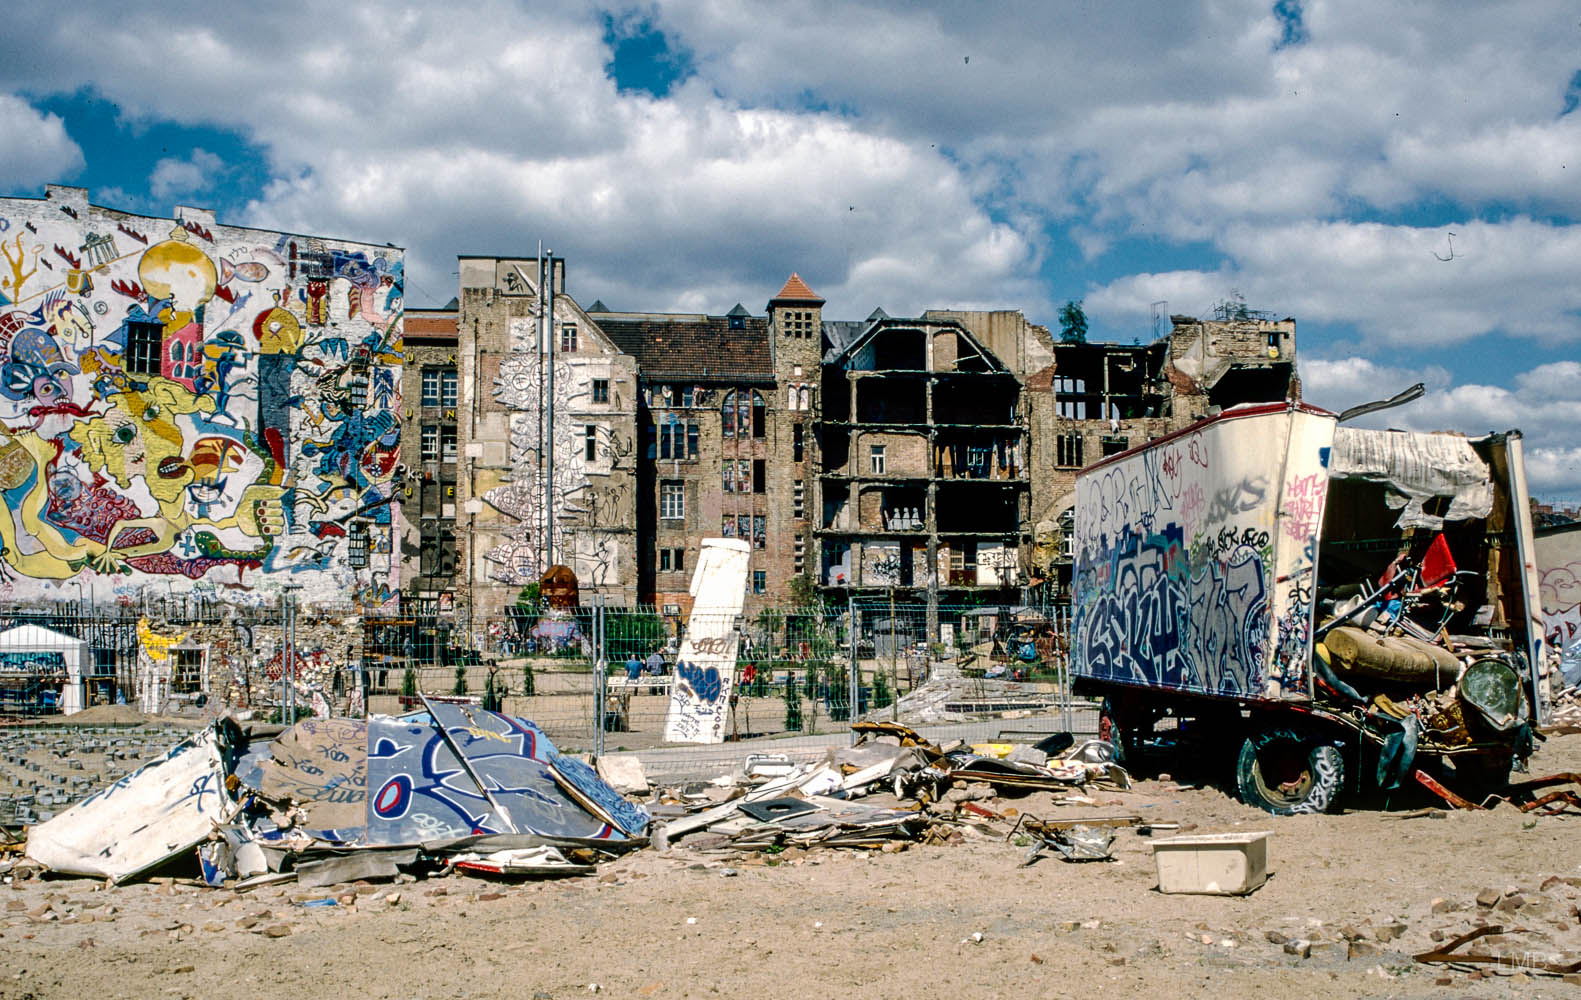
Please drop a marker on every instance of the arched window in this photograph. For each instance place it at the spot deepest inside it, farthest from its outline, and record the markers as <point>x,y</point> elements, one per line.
<point>728,414</point>
<point>759,416</point>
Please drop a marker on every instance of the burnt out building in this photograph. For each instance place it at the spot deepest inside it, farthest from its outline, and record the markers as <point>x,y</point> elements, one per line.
<point>1097,400</point>
<point>923,478</point>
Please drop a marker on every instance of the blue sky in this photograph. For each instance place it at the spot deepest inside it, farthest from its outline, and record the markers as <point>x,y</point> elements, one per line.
<point>1318,158</point>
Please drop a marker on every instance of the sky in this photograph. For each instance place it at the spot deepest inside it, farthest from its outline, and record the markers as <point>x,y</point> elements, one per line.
<point>1396,176</point>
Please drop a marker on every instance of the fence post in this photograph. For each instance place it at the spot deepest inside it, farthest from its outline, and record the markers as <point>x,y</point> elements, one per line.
<point>854,685</point>
<point>600,665</point>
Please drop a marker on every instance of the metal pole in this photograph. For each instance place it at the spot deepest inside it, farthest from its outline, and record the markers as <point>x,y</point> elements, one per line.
<point>599,676</point>
<point>543,436</point>
<point>548,298</point>
<point>854,683</point>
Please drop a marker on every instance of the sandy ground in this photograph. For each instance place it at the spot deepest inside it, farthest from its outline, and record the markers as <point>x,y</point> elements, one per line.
<point>850,924</point>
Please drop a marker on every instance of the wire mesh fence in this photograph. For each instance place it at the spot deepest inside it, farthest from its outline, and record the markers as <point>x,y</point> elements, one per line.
<point>598,679</point>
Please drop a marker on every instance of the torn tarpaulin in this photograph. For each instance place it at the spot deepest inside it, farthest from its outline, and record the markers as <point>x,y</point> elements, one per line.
<point>343,788</point>
<point>162,809</point>
<point>1417,467</point>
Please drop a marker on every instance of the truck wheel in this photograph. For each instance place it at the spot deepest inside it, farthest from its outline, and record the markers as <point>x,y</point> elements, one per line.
<point>1287,772</point>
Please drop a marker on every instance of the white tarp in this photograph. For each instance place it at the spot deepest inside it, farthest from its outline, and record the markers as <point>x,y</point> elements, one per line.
<point>705,667</point>
<point>1417,467</point>
<point>163,808</point>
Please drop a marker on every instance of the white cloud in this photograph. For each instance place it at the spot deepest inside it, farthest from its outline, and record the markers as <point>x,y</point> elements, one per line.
<point>901,154</point>
<point>1516,276</point>
<point>36,147</point>
<point>175,177</point>
<point>1544,405</point>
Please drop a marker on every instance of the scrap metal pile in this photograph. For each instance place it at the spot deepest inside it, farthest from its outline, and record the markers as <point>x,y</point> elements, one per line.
<point>333,800</point>
<point>906,782</point>
<point>1388,663</point>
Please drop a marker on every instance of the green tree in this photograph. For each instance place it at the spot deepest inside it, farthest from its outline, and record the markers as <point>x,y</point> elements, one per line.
<point>881,697</point>
<point>792,704</point>
<point>409,682</point>
<point>460,686</point>
<point>1072,323</point>
<point>529,682</point>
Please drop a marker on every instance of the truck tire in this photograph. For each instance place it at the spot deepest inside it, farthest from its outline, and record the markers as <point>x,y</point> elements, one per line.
<point>1287,772</point>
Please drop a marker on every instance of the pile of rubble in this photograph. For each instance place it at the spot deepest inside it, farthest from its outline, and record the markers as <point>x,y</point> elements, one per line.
<point>910,790</point>
<point>458,789</point>
<point>334,800</point>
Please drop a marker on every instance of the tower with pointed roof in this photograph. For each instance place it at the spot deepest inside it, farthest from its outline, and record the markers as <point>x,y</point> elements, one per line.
<point>796,333</point>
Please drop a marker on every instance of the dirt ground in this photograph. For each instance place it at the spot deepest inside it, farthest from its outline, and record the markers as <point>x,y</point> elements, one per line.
<point>959,921</point>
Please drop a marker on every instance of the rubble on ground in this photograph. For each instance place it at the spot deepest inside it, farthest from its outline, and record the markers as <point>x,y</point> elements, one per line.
<point>333,800</point>
<point>911,790</point>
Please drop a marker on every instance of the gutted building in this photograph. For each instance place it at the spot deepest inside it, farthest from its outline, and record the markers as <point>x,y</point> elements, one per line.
<point>1096,400</point>
<point>923,479</point>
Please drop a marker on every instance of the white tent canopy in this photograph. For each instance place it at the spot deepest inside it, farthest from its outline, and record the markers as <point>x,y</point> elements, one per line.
<point>25,639</point>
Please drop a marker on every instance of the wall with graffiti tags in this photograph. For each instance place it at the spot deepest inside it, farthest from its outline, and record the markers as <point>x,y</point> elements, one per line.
<point>1195,558</point>
<point>570,486</point>
<point>1559,570</point>
<point>194,407</point>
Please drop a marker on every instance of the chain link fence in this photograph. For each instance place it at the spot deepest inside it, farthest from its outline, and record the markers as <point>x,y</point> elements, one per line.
<point>596,679</point>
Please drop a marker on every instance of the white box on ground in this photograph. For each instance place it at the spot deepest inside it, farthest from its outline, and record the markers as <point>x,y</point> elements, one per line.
<point>1219,864</point>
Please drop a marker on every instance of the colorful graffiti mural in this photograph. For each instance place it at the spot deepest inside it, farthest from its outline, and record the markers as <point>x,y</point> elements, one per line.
<point>195,405</point>
<point>1182,580</point>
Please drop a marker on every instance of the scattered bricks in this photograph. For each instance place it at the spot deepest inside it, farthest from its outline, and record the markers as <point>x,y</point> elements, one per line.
<point>1486,899</point>
<point>441,891</point>
<point>489,897</point>
<point>393,898</point>
<point>1275,937</point>
<point>1442,906</point>
<point>1390,931</point>
<point>1070,925</point>
<point>1435,935</point>
<point>1444,981</point>
<point>16,906</point>
<point>1350,933</point>
<point>1510,903</point>
<point>213,927</point>
<point>248,923</point>
<point>1359,950</point>
<point>1333,951</point>
<point>276,931</point>
<point>1115,959</point>
<point>1300,948</point>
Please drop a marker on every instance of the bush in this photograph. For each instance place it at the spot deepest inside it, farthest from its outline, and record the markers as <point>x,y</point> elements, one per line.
<point>792,704</point>
<point>409,682</point>
<point>460,686</point>
<point>881,695</point>
<point>529,682</point>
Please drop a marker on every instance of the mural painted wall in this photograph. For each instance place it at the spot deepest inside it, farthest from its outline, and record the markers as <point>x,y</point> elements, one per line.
<point>1559,567</point>
<point>186,406</point>
<point>1194,562</point>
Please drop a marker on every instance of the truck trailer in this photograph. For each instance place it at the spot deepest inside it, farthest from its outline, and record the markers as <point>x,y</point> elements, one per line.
<point>1325,608</point>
